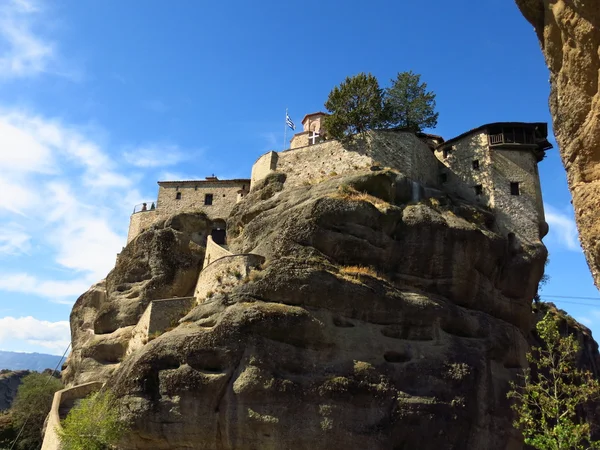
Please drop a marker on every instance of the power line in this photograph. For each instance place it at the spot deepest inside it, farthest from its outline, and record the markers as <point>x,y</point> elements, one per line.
<point>575,303</point>
<point>45,384</point>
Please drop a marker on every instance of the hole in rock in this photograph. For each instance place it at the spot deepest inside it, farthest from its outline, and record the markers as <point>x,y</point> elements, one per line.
<point>395,357</point>
<point>207,361</point>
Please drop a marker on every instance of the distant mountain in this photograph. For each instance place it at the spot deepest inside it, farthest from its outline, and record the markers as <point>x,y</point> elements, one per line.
<point>28,361</point>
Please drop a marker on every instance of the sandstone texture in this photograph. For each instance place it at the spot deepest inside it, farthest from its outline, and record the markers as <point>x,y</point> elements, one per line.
<point>375,322</point>
<point>569,33</point>
<point>9,384</point>
<point>163,262</point>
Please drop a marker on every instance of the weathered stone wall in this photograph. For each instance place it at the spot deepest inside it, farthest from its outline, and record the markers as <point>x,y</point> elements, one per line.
<point>263,166</point>
<point>225,273</point>
<point>300,140</point>
<point>51,439</point>
<point>225,196</point>
<point>226,193</point>
<point>213,252</point>
<point>520,214</point>
<point>140,221</point>
<point>461,177</point>
<point>158,316</point>
<point>396,149</point>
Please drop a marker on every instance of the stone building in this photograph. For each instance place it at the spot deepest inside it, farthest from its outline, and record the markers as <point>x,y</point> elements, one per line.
<point>496,165</point>
<point>213,196</point>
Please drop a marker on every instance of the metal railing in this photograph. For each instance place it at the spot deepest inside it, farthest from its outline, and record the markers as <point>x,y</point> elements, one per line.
<point>144,207</point>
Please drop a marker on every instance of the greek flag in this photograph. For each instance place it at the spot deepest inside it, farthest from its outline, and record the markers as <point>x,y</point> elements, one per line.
<point>289,122</point>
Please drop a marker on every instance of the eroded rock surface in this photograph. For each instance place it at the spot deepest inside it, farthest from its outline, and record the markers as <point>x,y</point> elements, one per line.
<point>163,262</point>
<point>375,323</point>
<point>569,32</point>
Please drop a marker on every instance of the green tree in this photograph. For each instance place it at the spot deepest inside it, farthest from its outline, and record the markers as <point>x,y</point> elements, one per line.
<point>95,424</point>
<point>31,406</point>
<point>550,397</point>
<point>355,106</point>
<point>408,104</point>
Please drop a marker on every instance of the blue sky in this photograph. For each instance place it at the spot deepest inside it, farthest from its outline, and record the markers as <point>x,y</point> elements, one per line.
<point>98,100</point>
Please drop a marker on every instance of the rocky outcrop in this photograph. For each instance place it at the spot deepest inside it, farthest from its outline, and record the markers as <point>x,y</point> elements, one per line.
<point>569,32</point>
<point>162,262</point>
<point>9,384</point>
<point>375,322</point>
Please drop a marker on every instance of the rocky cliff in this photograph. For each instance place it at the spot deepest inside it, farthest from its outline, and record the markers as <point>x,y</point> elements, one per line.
<point>9,384</point>
<point>375,322</point>
<point>569,33</point>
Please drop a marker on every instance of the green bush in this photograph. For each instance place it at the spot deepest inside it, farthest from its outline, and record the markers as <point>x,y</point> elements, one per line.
<point>31,406</point>
<point>94,424</point>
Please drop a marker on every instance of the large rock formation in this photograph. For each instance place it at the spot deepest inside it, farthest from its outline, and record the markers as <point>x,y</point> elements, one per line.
<point>376,322</point>
<point>569,32</point>
<point>163,262</point>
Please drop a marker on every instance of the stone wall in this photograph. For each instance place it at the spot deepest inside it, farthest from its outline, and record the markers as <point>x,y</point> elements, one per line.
<point>226,193</point>
<point>461,176</point>
<point>158,316</point>
<point>263,166</point>
<point>213,252</point>
<point>225,196</point>
<point>51,439</point>
<point>399,150</point>
<point>224,273</point>
<point>140,221</point>
<point>520,214</point>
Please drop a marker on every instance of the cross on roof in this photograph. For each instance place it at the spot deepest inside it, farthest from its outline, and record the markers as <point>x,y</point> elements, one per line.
<point>313,137</point>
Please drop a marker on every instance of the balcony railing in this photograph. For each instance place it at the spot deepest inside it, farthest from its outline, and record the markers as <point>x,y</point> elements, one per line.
<point>514,135</point>
<point>144,207</point>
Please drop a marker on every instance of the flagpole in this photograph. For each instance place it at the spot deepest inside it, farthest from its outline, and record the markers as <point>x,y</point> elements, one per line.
<point>285,125</point>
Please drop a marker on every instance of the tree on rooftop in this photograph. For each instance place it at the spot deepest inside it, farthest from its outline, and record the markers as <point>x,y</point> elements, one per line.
<point>355,106</point>
<point>550,397</point>
<point>408,104</point>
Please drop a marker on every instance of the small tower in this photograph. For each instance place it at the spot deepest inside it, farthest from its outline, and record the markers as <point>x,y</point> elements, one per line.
<point>311,134</point>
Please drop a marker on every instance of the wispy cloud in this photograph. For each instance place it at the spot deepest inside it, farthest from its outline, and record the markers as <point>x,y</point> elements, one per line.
<point>563,231</point>
<point>24,52</point>
<point>80,229</point>
<point>157,155</point>
<point>55,336</point>
<point>13,239</point>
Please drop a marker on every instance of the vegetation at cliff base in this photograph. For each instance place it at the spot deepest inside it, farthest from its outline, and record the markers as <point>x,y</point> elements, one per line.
<point>553,391</point>
<point>94,424</point>
<point>358,105</point>
<point>31,406</point>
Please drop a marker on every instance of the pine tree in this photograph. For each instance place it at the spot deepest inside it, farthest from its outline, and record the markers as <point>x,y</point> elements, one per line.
<point>408,104</point>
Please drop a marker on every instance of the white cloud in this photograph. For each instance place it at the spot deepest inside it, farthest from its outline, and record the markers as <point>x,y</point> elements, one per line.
<point>13,239</point>
<point>24,52</point>
<point>563,230</point>
<point>154,155</point>
<point>54,290</point>
<point>54,336</point>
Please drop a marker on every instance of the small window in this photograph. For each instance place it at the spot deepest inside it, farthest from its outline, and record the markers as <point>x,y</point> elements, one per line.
<point>208,199</point>
<point>514,188</point>
<point>447,151</point>
<point>478,189</point>
<point>178,196</point>
<point>443,177</point>
<point>476,164</point>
